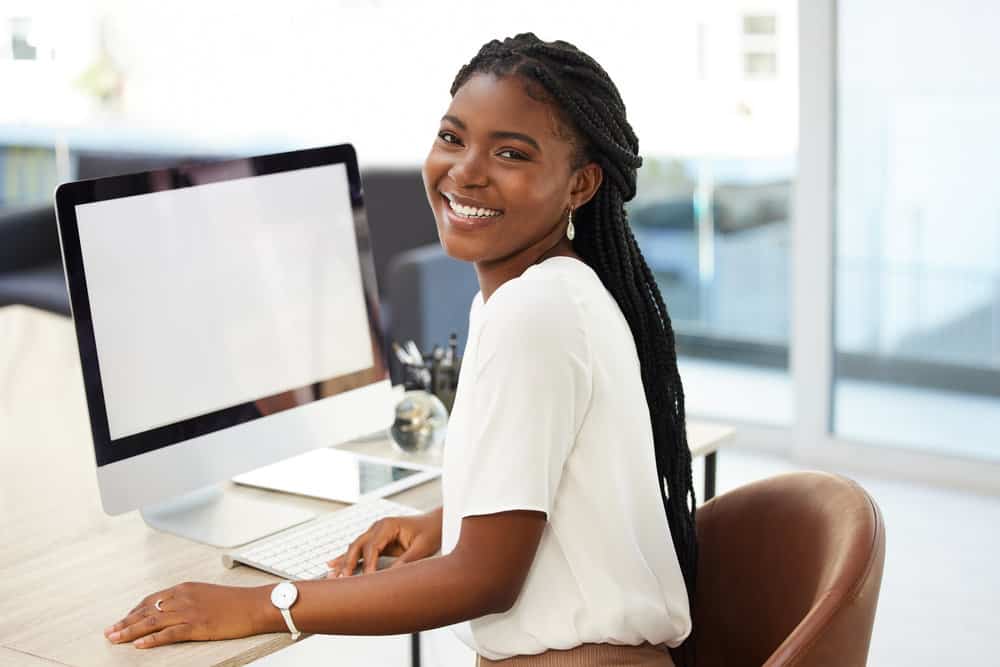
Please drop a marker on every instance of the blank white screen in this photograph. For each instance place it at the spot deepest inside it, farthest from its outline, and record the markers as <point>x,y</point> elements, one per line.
<point>210,296</point>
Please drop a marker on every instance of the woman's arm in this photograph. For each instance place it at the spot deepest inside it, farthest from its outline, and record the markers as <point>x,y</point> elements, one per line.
<point>482,575</point>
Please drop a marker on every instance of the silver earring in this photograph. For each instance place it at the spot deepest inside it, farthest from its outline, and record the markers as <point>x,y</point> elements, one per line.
<point>570,232</point>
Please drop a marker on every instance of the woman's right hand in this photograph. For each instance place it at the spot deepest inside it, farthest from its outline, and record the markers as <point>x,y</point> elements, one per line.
<point>409,538</point>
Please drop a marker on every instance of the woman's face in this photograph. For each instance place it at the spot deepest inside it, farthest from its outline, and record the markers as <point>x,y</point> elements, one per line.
<point>498,159</point>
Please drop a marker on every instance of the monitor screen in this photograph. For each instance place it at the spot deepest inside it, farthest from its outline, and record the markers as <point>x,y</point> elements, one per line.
<point>208,297</point>
<point>216,294</point>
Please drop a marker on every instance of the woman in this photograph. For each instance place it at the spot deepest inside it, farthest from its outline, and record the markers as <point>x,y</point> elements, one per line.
<point>559,544</point>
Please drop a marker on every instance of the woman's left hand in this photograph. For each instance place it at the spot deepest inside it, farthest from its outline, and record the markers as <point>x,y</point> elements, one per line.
<point>191,612</point>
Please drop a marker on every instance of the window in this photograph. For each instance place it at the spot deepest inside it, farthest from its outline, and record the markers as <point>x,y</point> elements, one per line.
<point>21,47</point>
<point>760,46</point>
<point>917,338</point>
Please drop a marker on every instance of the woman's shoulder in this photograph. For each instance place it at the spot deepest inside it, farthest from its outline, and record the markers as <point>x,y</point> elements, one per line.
<point>536,316</point>
<point>547,292</point>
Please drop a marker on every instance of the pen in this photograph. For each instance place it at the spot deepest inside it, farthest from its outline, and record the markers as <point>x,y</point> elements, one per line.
<point>414,351</point>
<point>401,354</point>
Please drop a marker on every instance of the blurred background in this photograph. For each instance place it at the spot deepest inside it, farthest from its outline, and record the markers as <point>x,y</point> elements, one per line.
<point>815,198</point>
<point>95,87</point>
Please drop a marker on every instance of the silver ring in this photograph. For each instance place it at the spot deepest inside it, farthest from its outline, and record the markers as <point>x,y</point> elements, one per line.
<point>157,605</point>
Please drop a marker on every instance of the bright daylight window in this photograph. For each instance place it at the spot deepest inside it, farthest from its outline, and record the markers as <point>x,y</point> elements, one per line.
<point>711,89</point>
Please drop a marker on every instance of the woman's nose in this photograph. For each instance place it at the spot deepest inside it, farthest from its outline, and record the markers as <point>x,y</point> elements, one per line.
<point>469,170</point>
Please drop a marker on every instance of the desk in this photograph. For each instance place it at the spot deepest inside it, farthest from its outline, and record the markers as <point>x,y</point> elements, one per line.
<point>67,570</point>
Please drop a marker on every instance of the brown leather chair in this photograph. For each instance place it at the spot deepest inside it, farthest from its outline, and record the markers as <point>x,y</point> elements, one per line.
<point>788,573</point>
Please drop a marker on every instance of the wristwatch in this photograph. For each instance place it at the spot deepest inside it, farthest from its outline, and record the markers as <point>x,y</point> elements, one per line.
<point>283,596</point>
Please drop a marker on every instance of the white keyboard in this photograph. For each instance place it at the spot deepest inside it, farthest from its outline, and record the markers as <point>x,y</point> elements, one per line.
<point>301,552</point>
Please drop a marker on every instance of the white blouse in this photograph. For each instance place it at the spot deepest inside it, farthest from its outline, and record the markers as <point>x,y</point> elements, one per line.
<point>550,415</point>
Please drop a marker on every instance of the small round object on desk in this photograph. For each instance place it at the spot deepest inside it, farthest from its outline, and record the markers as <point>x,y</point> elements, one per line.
<point>421,422</point>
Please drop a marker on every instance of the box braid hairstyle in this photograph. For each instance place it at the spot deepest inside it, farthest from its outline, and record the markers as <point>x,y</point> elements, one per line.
<point>590,107</point>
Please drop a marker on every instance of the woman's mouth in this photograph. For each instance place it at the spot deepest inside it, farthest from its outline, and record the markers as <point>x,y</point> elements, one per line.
<point>469,216</point>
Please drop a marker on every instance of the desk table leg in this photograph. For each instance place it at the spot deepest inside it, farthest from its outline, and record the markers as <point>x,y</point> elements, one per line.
<point>709,477</point>
<point>415,649</point>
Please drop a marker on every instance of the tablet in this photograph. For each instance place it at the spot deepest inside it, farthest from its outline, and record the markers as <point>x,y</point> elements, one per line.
<point>335,474</point>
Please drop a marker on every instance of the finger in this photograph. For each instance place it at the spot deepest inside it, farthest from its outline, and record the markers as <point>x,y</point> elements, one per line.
<point>393,548</point>
<point>418,549</point>
<point>170,635</point>
<point>134,616</point>
<point>373,549</point>
<point>145,602</point>
<point>144,626</point>
<point>407,556</point>
<point>353,553</point>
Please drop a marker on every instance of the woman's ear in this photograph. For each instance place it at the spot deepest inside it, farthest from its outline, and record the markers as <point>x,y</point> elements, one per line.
<point>585,182</point>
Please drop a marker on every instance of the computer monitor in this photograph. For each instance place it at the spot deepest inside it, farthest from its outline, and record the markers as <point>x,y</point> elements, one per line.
<point>227,318</point>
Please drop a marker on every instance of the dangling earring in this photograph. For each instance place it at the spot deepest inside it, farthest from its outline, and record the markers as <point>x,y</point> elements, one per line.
<point>570,232</point>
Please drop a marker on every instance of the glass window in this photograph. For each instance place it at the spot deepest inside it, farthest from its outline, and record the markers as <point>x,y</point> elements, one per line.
<point>759,24</point>
<point>712,215</point>
<point>760,65</point>
<point>917,264</point>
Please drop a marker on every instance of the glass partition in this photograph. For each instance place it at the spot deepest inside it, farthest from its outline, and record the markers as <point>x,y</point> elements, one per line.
<point>917,266</point>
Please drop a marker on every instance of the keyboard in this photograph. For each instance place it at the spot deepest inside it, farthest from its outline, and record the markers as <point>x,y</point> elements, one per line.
<point>301,552</point>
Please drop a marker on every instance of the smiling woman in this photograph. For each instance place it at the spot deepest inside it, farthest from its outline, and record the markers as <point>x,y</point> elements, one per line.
<point>501,181</point>
<point>566,535</point>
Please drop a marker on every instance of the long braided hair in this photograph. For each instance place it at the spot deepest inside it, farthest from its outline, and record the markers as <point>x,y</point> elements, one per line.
<point>591,109</point>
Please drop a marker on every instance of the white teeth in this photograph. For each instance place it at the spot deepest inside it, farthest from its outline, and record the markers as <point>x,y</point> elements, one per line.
<point>471,211</point>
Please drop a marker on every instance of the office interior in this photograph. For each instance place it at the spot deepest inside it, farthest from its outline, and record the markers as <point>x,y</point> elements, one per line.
<point>815,201</point>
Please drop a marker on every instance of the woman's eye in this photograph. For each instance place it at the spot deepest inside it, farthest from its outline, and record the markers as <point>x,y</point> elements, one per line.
<point>513,154</point>
<point>444,137</point>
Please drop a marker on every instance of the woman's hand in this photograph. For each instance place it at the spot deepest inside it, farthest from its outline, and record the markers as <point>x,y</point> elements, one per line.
<point>193,612</point>
<point>409,538</point>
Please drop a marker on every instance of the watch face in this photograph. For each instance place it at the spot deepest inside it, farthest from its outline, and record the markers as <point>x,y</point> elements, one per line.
<point>284,595</point>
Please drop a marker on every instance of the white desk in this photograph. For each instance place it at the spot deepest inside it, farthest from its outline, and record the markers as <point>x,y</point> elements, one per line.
<point>67,570</point>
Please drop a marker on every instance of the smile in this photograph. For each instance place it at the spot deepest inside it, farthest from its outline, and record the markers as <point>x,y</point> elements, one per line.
<point>471,211</point>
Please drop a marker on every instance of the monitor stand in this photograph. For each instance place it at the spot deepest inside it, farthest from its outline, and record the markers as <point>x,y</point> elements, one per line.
<point>212,516</point>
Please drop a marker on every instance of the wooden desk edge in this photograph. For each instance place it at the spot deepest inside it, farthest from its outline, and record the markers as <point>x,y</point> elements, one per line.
<point>723,434</point>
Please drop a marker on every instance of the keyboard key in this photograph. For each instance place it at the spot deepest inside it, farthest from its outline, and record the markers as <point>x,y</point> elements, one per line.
<point>303,551</point>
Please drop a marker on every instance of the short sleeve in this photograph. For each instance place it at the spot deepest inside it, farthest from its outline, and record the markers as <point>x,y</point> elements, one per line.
<point>532,389</point>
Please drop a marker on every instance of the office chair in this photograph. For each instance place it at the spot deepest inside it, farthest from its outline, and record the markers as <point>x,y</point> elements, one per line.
<point>429,296</point>
<point>31,270</point>
<point>789,572</point>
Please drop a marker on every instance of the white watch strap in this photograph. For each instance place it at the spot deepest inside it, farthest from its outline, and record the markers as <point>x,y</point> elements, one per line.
<point>287,615</point>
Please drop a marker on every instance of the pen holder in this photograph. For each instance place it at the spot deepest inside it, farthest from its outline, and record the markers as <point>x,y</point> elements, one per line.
<point>434,377</point>
<point>436,372</point>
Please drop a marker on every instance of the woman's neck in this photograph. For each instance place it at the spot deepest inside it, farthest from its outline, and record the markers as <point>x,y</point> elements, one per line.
<point>494,273</point>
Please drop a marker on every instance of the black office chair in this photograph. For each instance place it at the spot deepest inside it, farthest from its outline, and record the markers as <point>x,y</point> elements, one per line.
<point>429,295</point>
<point>31,269</point>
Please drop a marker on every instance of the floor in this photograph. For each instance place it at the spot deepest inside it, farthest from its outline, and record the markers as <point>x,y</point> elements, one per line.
<point>937,604</point>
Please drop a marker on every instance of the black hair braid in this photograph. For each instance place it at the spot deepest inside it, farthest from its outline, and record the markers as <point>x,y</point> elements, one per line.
<point>591,107</point>
<point>577,63</point>
<point>594,126</point>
